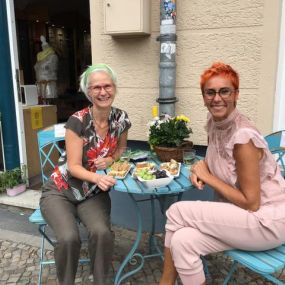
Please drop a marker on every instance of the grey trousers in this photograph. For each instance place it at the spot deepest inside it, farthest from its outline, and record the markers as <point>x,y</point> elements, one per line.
<point>61,215</point>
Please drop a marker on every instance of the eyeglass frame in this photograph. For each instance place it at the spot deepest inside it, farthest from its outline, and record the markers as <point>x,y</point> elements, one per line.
<point>98,88</point>
<point>223,96</point>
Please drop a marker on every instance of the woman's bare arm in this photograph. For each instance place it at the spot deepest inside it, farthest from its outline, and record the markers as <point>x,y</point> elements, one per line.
<point>247,196</point>
<point>122,143</point>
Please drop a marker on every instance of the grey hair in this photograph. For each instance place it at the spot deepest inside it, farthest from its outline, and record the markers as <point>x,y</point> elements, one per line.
<point>84,78</point>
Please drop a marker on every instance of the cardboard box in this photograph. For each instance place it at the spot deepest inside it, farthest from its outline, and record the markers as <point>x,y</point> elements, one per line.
<point>49,117</point>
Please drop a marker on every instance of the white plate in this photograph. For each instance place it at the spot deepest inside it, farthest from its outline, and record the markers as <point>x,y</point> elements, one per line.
<point>178,172</point>
<point>122,177</point>
<point>156,183</point>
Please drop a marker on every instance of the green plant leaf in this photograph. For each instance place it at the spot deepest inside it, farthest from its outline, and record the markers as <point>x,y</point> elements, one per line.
<point>169,133</point>
<point>12,178</point>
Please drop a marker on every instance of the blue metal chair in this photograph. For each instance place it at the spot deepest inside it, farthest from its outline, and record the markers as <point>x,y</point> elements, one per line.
<point>265,262</point>
<point>50,148</point>
<point>50,144</point>
<point>275,146</point>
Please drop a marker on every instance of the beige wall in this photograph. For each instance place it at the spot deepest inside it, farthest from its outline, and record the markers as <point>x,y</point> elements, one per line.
<point>243,33</point>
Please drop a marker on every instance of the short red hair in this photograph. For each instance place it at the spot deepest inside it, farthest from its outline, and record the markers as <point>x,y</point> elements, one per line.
<point>217,69</point>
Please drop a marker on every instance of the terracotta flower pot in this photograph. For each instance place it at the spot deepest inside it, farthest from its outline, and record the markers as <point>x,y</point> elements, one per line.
<point>168,153</point>
<point>16,190</point>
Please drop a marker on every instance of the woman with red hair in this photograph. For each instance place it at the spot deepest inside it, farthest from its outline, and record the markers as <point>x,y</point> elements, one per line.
<point>248,213</point>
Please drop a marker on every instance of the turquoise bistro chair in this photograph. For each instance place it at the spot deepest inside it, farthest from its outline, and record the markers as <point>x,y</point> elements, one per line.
<point>275,144</point>
<point>50,142</point>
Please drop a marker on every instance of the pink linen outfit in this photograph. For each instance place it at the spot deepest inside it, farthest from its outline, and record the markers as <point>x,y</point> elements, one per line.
<point>197,228</point>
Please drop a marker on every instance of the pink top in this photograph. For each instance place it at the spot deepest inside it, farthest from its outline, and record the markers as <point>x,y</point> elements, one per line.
<point>237,129</point>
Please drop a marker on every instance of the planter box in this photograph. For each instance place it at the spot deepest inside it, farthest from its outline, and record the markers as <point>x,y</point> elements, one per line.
<point>16,190</point>
<point>165,154</point>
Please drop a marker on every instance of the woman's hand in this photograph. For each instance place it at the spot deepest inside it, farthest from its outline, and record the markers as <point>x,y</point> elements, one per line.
<point>103,162</point>
<point>200,173</point>
<point>105,182</point>
<point>196,182</point>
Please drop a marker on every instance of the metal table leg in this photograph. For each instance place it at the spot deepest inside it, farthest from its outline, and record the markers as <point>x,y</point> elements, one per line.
<point>132,256</point>
<point>153,245</point>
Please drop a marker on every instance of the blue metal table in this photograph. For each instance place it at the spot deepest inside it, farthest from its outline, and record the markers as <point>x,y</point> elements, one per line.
<point>131,186</point>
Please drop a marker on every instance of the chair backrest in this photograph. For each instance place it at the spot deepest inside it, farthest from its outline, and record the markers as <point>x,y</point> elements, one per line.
<point>51,146</point>
<point>276,144</point>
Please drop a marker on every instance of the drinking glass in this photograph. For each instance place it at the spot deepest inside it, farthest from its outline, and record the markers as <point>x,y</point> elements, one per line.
<point>189,157</point>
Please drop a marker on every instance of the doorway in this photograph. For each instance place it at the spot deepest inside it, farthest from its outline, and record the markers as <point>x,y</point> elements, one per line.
<point>66,27</point>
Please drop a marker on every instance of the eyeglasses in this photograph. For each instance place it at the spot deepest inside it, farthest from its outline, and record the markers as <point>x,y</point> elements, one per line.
<point>96,89</point>
<point>223,92</point>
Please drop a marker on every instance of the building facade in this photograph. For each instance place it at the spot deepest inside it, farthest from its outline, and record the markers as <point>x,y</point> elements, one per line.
<point>244,34</point>
<point>248,34</point>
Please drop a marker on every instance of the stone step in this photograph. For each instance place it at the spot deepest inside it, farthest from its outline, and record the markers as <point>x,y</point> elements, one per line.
<point>28,199</point>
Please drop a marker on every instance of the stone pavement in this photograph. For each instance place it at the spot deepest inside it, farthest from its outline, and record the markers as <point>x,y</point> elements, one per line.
<point>19,263</point>
<point>19,256</point>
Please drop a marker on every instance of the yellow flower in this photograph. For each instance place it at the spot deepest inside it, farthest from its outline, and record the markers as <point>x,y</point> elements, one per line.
<point>183,118</point>
<point>169,131</point>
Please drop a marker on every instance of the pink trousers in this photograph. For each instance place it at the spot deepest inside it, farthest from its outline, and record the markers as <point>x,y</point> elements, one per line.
<point>196,228</point>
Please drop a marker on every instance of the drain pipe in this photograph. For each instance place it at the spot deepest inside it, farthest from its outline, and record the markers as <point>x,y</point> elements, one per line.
<point>167,65</point>
<point>167,72</point>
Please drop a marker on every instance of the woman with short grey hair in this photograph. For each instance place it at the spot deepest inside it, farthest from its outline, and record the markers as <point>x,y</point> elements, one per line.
<point>95,137</point>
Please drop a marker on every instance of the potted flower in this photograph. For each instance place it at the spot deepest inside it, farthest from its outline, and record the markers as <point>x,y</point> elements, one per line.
<point>14,181</point>
<point>168,136</point>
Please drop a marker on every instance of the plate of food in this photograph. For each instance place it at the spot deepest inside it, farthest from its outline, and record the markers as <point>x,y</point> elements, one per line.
<point>173,167</point>
<point>145,165</point>
<point>154,178</point>
<point>138,155</point>
<point>119,169</point>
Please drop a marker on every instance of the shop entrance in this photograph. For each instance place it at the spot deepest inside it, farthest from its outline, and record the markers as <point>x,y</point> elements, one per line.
<point>65,26</point>
<point>39,30</point>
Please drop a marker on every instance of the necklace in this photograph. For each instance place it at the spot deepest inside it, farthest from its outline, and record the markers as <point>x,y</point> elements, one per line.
<point>102,126</point>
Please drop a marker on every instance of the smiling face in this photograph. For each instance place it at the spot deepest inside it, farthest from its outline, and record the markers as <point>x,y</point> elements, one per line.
<point>220,107</point>
<point>101,89</point>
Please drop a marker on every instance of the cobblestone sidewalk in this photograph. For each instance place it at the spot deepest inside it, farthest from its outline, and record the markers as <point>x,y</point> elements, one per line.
<point>19,265</point>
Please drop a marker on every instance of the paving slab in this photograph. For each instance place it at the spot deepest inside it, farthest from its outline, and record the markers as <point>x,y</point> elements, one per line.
<point>19,256</point>
<point>20,247</point>
<point>28,199</point>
